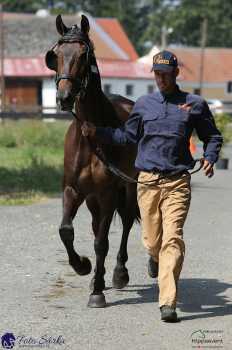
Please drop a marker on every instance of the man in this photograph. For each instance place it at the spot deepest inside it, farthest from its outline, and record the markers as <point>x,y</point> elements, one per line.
<point>162,123</point>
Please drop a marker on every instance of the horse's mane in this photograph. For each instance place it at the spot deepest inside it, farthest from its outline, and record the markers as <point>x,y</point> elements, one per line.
<point>110,104</point>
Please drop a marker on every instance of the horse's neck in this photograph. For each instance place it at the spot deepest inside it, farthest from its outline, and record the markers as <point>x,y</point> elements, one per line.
<point>89,107</point>
<point>96,108</point>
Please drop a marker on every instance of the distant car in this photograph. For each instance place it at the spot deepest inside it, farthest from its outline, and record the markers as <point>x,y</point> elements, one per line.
<point>216,106</point>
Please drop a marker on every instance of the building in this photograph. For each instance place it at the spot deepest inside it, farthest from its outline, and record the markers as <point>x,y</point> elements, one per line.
<point>30,85</point>
<point>217,71</point>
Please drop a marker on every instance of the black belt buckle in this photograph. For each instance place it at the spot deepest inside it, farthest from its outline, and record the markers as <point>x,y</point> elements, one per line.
<point>160,173</point>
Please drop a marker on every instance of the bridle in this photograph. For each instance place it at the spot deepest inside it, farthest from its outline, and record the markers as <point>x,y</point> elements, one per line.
<point>79,84</point>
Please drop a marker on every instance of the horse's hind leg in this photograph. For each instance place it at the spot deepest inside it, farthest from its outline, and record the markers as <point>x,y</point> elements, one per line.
<point>94,208</point>
<point>71,202</point>
<point>101,247</point>
<point>127,209</point>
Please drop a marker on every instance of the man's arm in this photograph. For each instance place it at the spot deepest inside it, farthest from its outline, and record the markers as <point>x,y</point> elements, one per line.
<point>129,133</point>
<point>209,135</point>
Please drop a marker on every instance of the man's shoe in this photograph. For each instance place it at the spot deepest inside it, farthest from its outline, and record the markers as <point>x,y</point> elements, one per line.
<point>168,313</point>
<point>152,268</point>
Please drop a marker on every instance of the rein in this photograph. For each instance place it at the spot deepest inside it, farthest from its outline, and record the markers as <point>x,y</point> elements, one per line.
<point>114,170</point>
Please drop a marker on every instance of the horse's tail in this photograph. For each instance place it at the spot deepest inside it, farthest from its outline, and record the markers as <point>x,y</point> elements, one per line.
<point>137,213</point>
<point>127,205</point>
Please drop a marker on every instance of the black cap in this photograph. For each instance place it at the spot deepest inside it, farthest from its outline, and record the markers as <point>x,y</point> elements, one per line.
<point>164,60</point>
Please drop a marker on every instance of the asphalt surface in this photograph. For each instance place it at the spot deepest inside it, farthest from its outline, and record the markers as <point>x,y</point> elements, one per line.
<point>41,297</point>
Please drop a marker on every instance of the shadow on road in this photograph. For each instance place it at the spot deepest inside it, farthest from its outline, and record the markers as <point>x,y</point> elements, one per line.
<point>202,298</point>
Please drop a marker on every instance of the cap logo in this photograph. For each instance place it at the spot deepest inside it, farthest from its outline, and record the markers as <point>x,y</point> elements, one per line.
<point>160,60</point>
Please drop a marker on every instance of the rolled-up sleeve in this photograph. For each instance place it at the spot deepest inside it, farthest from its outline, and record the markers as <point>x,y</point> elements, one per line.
<point>207,132</point>
<point>129,133</point>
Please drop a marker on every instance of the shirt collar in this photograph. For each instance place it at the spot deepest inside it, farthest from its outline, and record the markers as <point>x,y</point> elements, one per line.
<point>164,97</point>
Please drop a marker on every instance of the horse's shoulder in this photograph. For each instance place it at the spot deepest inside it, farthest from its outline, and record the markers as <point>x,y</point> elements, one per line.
<point>122,105</point>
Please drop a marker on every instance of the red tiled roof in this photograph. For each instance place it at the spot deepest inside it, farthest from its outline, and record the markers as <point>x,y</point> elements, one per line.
<point>124,69</point>
<point>35,67</point>
<point>112,27</point>
<point>217,64</point>
<point>26,67</point>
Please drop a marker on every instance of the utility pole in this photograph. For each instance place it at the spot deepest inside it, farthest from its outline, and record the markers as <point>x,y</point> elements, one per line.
<point>203,44</point>
<point>2,59</point>
<point>163,38</point>
<point>164,33</point>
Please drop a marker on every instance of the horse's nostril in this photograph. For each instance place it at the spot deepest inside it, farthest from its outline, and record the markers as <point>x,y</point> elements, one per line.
<point>63,95</point>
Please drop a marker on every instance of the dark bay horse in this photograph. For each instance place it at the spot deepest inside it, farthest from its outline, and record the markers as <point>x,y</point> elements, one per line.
<point>86,177</point>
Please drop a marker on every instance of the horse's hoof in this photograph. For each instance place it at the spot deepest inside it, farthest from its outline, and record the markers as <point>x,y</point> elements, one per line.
<point>120,278</point>
<point>91,285</point>
<point>83,267</point>
<point>97,300</point>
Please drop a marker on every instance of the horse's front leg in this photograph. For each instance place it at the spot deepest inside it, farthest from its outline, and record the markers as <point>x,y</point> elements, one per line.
<point>71,202</point>
<point>101,247</point>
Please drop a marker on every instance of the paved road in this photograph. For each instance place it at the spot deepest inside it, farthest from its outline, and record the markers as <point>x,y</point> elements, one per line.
<point>40,294</point>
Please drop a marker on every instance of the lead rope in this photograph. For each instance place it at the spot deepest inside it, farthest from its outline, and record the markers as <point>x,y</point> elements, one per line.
<point>113,169</point>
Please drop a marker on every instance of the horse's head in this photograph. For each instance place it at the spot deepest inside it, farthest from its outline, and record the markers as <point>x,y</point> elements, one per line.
<point>70,58</point>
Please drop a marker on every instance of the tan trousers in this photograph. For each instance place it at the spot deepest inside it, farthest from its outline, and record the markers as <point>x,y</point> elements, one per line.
<point>164,207</point>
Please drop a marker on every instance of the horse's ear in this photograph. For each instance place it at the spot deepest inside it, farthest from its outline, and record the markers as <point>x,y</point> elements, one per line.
<point>51,60</point>
<point>84,24</point>
<point>60,26</point>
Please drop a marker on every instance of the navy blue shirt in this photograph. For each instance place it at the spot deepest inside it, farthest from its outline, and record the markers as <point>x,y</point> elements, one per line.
<point>162,130</point>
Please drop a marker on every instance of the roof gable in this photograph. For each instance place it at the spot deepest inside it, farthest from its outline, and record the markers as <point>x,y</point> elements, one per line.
<point>117,33</point>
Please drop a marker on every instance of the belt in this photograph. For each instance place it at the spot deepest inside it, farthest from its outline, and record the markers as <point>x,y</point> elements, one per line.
<point>166,173</point>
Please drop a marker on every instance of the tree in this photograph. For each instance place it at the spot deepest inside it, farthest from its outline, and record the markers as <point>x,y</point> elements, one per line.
<point>23,5</point>
<point>186,17</point>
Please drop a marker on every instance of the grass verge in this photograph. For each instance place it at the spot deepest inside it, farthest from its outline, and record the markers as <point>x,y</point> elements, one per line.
<point>31,167</point>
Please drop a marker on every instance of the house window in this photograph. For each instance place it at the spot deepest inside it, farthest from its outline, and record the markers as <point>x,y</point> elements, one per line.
<point>229,87</point>
<point>129,90</point>
<point>107,88</point>
<point>196,91</point>
<point>150,89</point>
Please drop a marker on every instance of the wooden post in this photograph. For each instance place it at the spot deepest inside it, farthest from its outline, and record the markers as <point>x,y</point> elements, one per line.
<point>2,56</point>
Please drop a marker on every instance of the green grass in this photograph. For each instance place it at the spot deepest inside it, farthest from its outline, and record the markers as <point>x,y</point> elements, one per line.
<point>31,161</point>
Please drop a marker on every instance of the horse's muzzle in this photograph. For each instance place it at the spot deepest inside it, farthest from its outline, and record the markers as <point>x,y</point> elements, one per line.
<point>65,100</point>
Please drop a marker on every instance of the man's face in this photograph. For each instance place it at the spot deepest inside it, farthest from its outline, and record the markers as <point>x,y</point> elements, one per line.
<point>166,81</point>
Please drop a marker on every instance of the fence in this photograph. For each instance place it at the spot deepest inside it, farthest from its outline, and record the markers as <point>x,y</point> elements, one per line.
<point>39,112</point>
<point>33,112</point>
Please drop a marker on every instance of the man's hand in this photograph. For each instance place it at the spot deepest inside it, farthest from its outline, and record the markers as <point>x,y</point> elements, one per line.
<point>88,129</point>
<point>208,168</point>
<point>185,107</point>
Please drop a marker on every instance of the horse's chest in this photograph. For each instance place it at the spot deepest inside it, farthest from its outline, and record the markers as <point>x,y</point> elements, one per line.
<point>94,177</point>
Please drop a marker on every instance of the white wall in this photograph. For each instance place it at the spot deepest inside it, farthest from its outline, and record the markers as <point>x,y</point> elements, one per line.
<point>49,95</point>
<point>118,86</point>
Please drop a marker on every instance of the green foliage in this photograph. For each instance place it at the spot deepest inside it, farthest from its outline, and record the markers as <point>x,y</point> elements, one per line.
<point>24,5</point>
<point>32,132</point>
<point>224,125</point>
<point>31,154</point>
<point>185,18</point>
<point>28,174</point>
